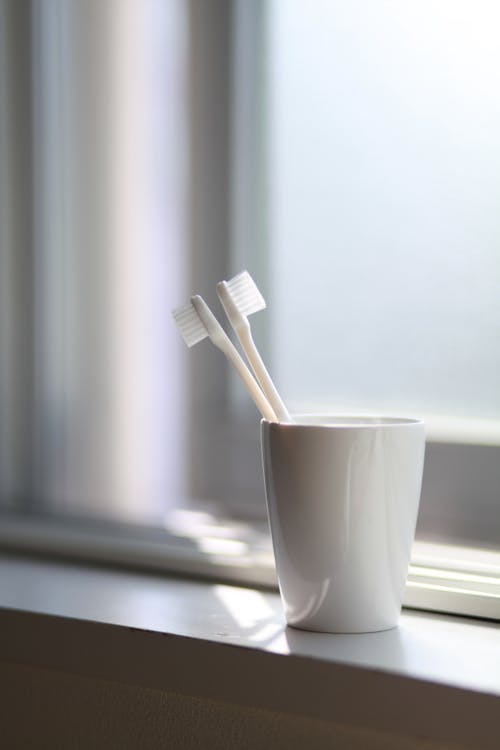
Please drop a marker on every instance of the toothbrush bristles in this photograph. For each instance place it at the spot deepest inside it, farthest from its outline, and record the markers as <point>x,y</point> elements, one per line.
<point>245,294</point>
<point>190,325</point>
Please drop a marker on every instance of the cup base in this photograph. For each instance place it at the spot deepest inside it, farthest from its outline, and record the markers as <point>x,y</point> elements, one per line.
<point>342,631</point>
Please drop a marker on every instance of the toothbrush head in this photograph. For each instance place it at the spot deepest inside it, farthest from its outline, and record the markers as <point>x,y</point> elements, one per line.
<point>244,294</point>
<point>190,325</point>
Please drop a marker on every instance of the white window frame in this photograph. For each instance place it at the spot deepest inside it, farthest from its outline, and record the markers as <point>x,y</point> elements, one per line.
<point>458,532</point>
<point>462,477</point>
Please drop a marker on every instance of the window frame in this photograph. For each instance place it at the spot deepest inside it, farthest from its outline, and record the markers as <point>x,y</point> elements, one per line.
<point>462,455</point>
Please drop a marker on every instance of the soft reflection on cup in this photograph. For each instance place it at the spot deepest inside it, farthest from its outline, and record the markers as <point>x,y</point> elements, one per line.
<point>342,497</point>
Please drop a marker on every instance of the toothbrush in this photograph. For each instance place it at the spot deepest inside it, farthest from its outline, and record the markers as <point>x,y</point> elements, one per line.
<point>240,298</point>
<point>195,322</point>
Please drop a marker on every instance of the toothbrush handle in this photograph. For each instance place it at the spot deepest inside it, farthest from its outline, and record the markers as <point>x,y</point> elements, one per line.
<point>246,376</point>
<point>220,339</point>
<point>261,373</point>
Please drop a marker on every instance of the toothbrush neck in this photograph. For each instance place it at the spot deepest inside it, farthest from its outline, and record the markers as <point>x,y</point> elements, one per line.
<point>243,326</point>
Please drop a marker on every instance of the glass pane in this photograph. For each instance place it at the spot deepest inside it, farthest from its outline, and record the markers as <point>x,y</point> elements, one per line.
<point>384,162</point>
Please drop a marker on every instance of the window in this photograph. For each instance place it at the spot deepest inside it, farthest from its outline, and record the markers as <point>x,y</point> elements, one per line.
<point>383,157</point>
<point>346,153</point>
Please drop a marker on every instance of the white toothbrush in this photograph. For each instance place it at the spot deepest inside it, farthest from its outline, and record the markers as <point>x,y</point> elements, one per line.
<point>240,298</point>
<point>195,322</point>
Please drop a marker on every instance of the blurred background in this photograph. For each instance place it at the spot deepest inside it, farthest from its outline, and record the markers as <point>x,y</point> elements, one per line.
<point>346,152</point>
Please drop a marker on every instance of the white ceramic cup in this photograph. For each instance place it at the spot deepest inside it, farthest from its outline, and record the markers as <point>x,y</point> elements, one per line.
<point>342,497</point>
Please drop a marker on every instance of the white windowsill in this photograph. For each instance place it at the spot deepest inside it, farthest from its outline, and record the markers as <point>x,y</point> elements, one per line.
<point>442,577</point>
<point>435,676</point>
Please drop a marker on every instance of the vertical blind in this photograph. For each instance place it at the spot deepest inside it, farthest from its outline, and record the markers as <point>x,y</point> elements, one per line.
<point>92,202</point>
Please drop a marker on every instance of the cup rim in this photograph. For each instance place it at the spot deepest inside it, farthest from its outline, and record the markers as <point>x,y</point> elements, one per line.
<point>322,420</point>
